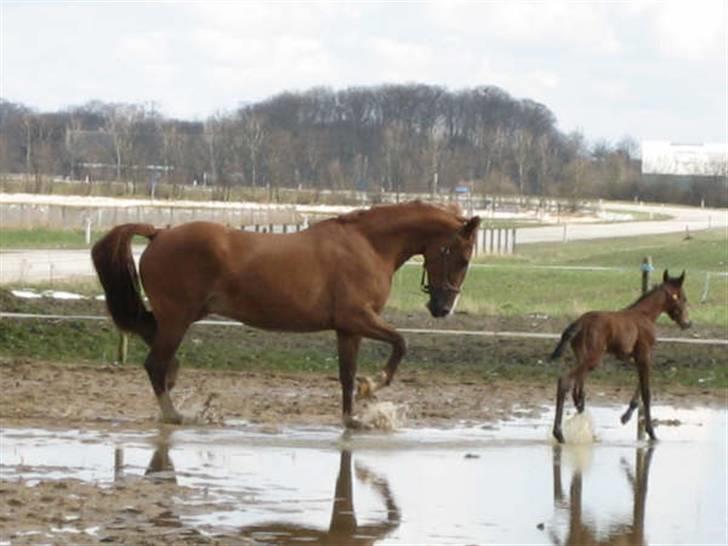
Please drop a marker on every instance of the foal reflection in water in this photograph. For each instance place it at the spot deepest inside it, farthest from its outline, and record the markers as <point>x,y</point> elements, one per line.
<point>336,275</point>
<point>582,531</point>
<point>628,334</point>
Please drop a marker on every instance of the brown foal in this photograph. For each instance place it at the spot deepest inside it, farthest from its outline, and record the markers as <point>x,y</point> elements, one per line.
<point>628,334</point>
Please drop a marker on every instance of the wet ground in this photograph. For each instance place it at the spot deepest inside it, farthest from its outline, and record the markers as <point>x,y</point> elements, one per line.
<point>501,481</point>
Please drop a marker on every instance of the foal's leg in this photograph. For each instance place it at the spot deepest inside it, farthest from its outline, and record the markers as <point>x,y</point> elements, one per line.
<point>563,385</point>
<point>573,378</point>
<point>348,347</point>
<point>633,404</point>
<point>643,370</point>
<point>577,393</point>
<point>371,326</point>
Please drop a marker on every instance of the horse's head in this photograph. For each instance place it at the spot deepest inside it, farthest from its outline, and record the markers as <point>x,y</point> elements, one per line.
<point>446,262</point>
<point>677,304</point>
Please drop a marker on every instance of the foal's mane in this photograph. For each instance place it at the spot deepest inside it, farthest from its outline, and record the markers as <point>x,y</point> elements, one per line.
<point>646,295</point>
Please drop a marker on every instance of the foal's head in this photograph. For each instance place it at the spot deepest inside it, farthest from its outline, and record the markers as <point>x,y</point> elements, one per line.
<point>446,263</point>
<point>676,305</point>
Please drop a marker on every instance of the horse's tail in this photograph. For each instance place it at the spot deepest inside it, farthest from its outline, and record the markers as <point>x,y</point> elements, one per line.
<point>114,263</point>
<point>571,330</point>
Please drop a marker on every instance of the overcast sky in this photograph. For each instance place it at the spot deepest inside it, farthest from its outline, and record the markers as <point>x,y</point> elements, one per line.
<point>653,70</point>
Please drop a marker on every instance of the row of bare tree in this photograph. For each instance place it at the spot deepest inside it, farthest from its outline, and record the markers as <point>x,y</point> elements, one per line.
<point>398,138</point>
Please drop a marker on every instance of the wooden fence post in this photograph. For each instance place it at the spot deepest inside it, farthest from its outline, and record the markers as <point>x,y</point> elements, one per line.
<point>122,349</point>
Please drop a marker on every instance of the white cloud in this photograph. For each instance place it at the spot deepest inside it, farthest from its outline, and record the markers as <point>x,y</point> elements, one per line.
<point>553,25</point>
<point>691,30</point>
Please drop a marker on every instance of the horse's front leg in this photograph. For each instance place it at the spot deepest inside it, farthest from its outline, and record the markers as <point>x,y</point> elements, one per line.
<point>371,326</point>
<point>348,347</point>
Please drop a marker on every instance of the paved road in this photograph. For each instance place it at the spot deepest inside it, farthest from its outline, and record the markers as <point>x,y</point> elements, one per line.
<point>50,265</point>
<point>694,219</point>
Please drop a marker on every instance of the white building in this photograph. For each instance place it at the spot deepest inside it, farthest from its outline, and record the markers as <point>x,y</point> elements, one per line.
<point>671,158</point>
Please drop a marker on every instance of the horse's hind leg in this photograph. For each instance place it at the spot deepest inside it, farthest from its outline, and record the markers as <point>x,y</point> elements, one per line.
<point>633,404</point>
<point>577,393</point>
<point>563,385</point>
<point>173,368</point>
<point>161,366</point>
<point>573,379</point>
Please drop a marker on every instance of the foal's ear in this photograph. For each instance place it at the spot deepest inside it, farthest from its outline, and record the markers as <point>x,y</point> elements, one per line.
<point>470,226</point>
<point>681,279</point>
<point>665,276</point>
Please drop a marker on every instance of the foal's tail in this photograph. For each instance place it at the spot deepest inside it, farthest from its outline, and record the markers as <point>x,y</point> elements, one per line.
<point>115,267</point>
<point>571,330</point>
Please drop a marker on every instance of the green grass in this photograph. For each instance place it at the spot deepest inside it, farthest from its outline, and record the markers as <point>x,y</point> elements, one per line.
<point>705,251</point>
<point>236,348</point>
<point>45,238</point>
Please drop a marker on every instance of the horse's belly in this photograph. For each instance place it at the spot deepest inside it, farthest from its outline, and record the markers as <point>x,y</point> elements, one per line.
<point>282,316</point>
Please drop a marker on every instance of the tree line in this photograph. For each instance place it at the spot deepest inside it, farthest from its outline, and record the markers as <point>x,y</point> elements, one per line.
<point>395,138</point>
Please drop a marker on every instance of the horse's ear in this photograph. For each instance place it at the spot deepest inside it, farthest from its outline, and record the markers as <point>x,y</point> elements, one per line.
<point>665,276</point>
<point>470,226</point>
<point>681,278</point>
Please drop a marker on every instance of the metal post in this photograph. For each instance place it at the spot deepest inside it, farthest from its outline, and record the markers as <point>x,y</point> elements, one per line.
<point>646,269</point>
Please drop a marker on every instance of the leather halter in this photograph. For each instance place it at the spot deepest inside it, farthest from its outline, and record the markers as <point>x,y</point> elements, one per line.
<point>446,285</point>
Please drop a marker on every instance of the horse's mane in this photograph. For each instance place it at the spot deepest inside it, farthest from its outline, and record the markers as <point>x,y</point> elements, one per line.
<point>646,295</point>
<point>377,210</point>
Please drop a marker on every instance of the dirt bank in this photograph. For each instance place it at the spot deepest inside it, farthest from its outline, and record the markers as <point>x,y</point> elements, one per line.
<point>90,395</point>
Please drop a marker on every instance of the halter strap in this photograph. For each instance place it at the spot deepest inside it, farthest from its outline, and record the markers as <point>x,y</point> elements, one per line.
<point>446,285</point>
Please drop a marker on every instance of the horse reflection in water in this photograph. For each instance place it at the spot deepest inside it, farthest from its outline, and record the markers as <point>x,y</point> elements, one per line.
<point>344,530</point>
<point>582,532</point>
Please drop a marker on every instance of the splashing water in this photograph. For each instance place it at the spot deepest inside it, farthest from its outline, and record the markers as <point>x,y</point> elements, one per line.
<point>385,416</point>
<point>579,429</point>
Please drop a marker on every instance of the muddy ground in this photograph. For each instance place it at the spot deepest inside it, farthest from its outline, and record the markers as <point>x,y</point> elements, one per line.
<point>139,510</point>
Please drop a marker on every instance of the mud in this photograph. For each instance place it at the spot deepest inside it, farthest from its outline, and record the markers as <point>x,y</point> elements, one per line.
<point>49,393</point>
<point>153,504</point>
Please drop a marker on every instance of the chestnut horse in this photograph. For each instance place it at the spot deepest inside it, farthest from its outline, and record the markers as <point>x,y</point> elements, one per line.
<point>335,275</point>
<point>628,334</point>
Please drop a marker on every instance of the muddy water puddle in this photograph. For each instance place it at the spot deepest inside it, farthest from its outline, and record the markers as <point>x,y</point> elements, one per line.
<point>503,483</point>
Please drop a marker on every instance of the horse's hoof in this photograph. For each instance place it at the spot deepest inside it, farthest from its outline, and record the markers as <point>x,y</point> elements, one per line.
<point>625,418</point>
<point>364,388</point>
<point>352,423</point>
<point>173,419</point>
